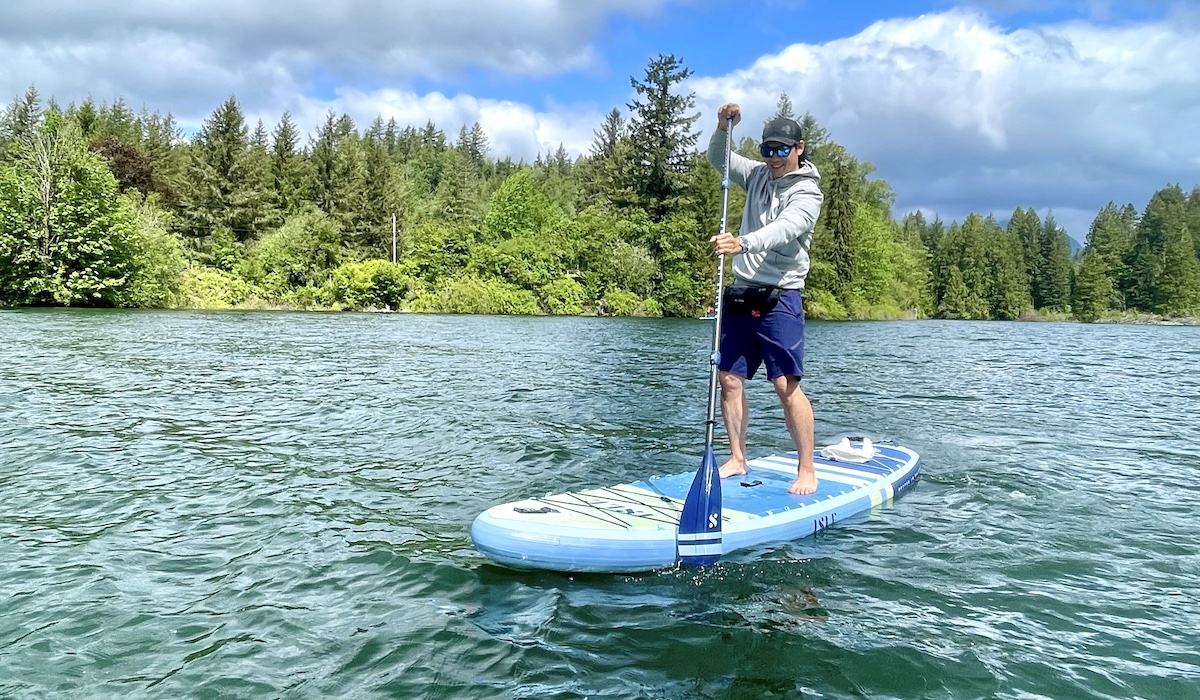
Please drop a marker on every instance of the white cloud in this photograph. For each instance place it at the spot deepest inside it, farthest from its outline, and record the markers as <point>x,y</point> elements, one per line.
<point>187,56</point>
<point>512,128</point>
<point>960,114</point>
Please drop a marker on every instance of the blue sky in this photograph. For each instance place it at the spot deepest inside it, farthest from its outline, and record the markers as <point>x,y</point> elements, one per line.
<point>964,107</point>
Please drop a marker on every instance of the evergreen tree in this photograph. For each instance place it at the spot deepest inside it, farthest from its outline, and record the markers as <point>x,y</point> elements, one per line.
<point>339,176</point>
<point>222,202</point>
<point>783,109</point>
<point>1053,283</point>
<point>838,218</point>
<point>118,121</point>
<point>1178,285</point>
<point>661,133</point>
<point>973,244</point>
<point>86,116</point>
<point>391,136</point>
<point>1193,217</point>
<point>160,142</point>
<point>21,120</point>
<point>1026,227</point>
<point>1007,287</point>
<point>955,302</point>
<point>289,169</point>
<point>604,170</point>
<point>1108,241</point>
<point>1093,287</point>
<point>474,144</point>
<point>457,199</point>
<point>260,178</point>
<point>814,134</point>
<point>378,166</point>
<point>428,156</point>
<point>1163,221</point>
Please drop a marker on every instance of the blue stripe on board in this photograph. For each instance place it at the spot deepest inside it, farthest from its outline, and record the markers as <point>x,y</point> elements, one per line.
<point>769,497</point>
<point>886,461</point>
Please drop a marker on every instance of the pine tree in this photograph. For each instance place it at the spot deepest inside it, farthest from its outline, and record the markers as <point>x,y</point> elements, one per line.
<point>1193,217</point>
<point>1007,285</point>
<point>474,144</point>
<point>260,178</point>
<point>783,109</point>
<point>603,172</point>
<point>160,140</point>
<point>661,133</point>
<point>428,156</point>
<point>289,171</point>
<point>1178,285</point>
<point>378,167</point>
<point>814,134</point>
<point>1164,218</point>
<point>1093,287</point>
<point>222,200</point>
<point>1108,240</point>
<point>86,116</point>
<point>838,217</point>
<point>1026,227</point>
<point>118,121</point>
<point>457,199</point>
<point>972,260</point>
<point>955,302</point>
<point>20,121</point>
<point>1053,284</point>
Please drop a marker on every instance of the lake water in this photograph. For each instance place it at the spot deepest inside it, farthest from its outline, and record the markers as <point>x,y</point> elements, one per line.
<point>254,505</point>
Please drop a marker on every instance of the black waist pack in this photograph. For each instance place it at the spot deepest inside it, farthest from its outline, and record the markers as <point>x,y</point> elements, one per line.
<point>751,301</point>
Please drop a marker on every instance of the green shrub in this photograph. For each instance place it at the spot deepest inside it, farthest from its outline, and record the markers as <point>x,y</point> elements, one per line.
<point>158,260</point>
<point>210,288</point>
<point>820,303</point>
<point>563,297</point>
<point>370,284</point>
<point>471,295</point>
<point>301,253</point>
<point>649,308</point>
<point>621,302</point>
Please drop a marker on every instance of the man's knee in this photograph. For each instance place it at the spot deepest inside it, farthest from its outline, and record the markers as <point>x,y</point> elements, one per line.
<point>731,383</point>
<point>787,387</point>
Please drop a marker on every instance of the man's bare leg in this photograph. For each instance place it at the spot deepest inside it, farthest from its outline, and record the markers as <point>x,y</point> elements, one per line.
<point>798,414</point>
<point>737,421</point>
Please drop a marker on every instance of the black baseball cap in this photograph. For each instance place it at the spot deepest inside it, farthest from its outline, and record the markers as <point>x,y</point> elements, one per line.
<point>782,130</point>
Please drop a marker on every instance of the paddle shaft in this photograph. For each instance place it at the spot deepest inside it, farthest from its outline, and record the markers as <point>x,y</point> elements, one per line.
<point>714,358</point>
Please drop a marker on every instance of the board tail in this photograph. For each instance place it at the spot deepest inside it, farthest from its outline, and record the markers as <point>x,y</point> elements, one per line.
<point>699,537</point>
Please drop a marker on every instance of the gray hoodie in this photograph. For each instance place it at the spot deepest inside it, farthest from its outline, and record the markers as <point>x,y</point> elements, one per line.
<point>778,221</point>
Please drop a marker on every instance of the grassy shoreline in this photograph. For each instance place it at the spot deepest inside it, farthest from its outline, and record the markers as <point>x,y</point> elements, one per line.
<point>1128,318</point>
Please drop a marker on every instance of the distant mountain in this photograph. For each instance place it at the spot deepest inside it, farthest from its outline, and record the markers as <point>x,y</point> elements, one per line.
<point>1076,246</point>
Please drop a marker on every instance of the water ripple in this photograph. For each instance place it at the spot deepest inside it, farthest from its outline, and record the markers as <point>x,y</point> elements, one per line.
<point>277,505</point>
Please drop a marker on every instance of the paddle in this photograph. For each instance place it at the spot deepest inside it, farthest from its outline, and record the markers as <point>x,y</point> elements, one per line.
<point>699,537</point>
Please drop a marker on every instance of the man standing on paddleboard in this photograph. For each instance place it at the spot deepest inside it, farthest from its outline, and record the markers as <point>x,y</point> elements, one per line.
<point>763,312</point>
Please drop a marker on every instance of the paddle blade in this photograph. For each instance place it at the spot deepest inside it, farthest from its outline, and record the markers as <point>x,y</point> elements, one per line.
<point>699,537</point>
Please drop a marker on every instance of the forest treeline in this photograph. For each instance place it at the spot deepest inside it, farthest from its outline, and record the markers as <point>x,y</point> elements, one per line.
<point>101,206</point>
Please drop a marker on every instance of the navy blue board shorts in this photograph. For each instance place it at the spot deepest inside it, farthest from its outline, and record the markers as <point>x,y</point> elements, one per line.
<point>776,338</point>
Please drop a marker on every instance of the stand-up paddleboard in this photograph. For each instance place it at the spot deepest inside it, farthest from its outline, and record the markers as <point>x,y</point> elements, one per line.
<point>633,527</point>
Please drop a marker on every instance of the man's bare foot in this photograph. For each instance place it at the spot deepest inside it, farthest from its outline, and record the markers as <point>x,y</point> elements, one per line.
<point>805,483</point>
<point>734,467</point>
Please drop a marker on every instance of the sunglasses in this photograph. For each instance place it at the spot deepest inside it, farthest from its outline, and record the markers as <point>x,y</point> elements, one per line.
<point>769,151</point>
